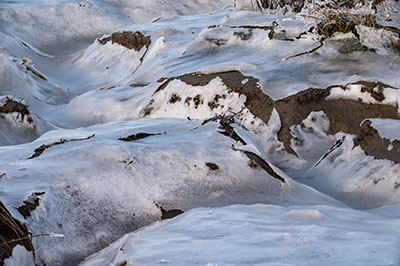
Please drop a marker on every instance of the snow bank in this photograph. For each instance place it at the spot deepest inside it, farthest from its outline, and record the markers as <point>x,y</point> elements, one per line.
<point>98,187</point>
<point>260,234</point>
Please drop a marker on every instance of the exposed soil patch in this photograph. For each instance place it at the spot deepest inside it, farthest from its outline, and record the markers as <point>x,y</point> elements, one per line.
<point>138,136</point>
<point>131,40</point>
<point>376,146</point>
<point>169,214</point>
<point>30,204</point>
<point>11,230</point>
<point>41,149</point>
<point>212,166</point>
<point>257,101</point>
<point>12,106</point>
<point>344,115</point>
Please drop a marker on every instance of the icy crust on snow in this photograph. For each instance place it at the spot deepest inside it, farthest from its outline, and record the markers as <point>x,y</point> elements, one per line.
<point>387,128</point>
<point>260,235</point>
<point>93,201</point>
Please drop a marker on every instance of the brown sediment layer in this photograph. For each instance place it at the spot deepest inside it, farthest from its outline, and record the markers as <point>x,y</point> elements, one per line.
<point>345,115</point>
<point>375,145</point>
<point>131,40</point>
<point>12,233</point>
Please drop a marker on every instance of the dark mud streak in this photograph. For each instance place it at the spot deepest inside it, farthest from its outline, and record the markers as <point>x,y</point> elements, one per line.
<point>264,165</point>
<point>42,148</point>
<point>11,229</point>
<point>374,145</point>
<point>30,204</point>
<point>138,136</point>
<point>337,144</point>
<point>344,115</point>
<point>36,73</point>
<point>212,166</point>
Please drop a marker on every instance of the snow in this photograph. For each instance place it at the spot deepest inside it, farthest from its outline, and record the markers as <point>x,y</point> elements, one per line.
<point>356,92</point>
<point>260,235</point>
<point>20,256</point>
<point>328,204</point>
<point>124,180</point>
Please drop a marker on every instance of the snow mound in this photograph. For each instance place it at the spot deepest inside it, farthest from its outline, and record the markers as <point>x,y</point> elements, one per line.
<point>259,234</point>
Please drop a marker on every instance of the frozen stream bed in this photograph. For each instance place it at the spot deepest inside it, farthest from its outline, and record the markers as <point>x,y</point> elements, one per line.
<point>260,137</point>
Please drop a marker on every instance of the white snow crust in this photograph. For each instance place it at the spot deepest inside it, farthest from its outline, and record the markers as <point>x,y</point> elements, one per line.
<point>328,204</point>
<point>260,235</point>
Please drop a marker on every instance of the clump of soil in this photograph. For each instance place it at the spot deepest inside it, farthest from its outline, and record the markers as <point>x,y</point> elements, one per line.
<point>374,145</point>
<point>138,136</point>
<point>169,214</point>
<point>12,233</point>
<point>131,40</point>
<point>12,106</point>
<point>30,204</point>
<point>42,148</point>
<point>212,166</point>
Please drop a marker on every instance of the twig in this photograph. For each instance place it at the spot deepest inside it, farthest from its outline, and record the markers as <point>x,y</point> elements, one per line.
<point>307,52</point>
<point>30,237</point>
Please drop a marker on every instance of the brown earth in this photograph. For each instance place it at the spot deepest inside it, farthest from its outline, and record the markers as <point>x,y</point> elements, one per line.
<point>374,145</point>
<point>345,115</point>
<point>131,40</point>
<point>168,214</point>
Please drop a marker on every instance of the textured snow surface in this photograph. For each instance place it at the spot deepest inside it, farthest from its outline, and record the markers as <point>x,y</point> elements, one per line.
<point>110,137</point>
<point>260,235</point>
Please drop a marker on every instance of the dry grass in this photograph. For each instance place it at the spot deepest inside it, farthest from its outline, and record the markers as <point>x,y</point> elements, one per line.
<point>12,232</point>
<point>335,18</point>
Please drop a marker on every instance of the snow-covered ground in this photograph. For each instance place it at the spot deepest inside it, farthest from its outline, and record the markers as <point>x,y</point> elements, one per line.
<point>280,145</point>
